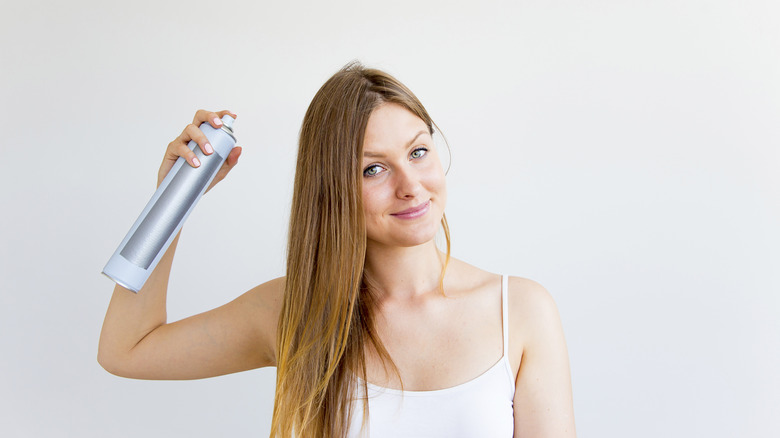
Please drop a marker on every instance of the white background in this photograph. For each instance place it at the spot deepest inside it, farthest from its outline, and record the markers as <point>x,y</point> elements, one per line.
<point>625,154</point>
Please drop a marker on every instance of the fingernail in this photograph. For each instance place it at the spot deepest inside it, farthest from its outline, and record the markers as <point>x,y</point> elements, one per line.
<point>196,162</point>
<point>208,148</point>
<point>217,121</point>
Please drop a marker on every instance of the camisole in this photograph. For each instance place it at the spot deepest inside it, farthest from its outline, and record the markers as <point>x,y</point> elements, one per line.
<point>481,407</point>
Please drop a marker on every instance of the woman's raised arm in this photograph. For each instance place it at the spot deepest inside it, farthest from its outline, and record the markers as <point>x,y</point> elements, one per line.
<point>136,341</point>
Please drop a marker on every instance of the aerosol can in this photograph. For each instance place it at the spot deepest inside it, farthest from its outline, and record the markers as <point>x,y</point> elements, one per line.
<point>164,214</point>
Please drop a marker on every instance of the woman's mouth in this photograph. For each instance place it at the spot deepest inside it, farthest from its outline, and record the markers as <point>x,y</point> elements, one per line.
<point>414,212</point>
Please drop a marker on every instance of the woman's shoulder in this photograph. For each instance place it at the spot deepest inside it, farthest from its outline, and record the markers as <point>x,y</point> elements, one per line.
<point>523,291</point>
<point>533,315</point>
<point>264,301</point>
<point>260,308</point>
<point>530,303</point>
<point>531,309</point>
<point>528,294</point>
<point>268,294</point>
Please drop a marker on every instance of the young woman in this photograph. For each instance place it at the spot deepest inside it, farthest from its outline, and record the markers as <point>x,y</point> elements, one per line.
<point>374,331</point>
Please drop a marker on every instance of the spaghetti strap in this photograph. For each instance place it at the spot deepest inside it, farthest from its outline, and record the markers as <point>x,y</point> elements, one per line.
<point>505,312</point>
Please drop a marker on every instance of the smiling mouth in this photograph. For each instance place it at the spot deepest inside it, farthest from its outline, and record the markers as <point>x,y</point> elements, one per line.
<point>414,212</point>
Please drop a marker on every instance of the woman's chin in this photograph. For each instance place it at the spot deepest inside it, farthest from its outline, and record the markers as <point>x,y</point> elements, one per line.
<point>405,240</point>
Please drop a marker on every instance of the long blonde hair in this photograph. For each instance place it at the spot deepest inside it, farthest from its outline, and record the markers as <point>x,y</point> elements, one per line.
<point>326,316</point>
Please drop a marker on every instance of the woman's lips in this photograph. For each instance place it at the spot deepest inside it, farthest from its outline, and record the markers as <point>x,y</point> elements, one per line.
<point>414,212</point>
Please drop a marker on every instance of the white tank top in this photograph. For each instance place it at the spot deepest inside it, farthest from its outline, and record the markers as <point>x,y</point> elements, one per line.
<point>481,407</point>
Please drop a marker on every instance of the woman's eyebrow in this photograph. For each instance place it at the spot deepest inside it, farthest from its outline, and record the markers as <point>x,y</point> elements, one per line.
<point>370,154</point>
<point>416,136</point>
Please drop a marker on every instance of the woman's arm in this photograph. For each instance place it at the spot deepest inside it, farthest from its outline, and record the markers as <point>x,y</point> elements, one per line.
<point>137,342</point>
<point>238,336</point>
<point>543,404</point>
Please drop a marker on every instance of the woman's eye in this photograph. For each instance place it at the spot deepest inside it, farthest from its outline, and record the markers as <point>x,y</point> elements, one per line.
<point>372,170</point>
<point>419,153</point>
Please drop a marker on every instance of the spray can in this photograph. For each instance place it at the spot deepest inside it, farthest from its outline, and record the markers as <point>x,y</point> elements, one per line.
<point>164,214</point>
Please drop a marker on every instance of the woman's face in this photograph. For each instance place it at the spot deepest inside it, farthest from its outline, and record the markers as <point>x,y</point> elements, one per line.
<point>404,190</point>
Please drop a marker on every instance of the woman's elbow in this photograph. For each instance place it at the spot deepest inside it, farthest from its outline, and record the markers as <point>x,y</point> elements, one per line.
<point>112,362</point>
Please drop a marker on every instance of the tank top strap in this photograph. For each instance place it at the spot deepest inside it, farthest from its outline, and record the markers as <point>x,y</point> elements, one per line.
<point>505,312</point>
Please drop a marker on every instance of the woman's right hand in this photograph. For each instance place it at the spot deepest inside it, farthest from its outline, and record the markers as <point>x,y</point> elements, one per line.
<point>178,147</point>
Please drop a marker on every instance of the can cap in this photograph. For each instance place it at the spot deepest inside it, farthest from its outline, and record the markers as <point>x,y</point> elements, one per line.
<point>228,120</point>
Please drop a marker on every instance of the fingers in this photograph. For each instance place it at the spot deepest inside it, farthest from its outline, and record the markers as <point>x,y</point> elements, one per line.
<point>213,118</point>
<point>232,159</point>
<point>193,132</point>
<point>180,148</point>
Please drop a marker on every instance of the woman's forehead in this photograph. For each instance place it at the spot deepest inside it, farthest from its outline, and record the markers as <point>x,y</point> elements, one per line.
<point>392,126</point>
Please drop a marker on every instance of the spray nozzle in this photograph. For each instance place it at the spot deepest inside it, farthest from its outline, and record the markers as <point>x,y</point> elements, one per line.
<point>227,121</point>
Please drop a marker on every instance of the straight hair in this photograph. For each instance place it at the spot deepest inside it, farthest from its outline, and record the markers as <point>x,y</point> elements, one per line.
<point>326,319</point>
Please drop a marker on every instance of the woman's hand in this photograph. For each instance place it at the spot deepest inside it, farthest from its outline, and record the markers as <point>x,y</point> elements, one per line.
<point>178,147</point>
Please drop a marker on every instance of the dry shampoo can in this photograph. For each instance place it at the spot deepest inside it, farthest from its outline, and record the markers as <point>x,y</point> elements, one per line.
<point>165,213</point>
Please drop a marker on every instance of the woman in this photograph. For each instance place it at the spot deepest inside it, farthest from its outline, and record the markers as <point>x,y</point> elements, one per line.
<point>373,330</point>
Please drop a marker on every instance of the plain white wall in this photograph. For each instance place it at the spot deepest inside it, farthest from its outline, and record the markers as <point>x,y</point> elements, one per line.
<point>624,154</point>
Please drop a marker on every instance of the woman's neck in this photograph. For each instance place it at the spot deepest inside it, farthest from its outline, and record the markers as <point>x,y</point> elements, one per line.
<point>404,274</point>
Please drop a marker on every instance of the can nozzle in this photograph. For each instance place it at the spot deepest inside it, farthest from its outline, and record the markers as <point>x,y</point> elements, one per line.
<point>227,120</point>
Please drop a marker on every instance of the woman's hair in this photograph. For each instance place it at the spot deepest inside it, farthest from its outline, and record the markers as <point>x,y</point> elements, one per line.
<point>326,318</point>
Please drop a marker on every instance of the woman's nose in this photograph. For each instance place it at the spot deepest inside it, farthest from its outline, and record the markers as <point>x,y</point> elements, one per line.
<point>407,183</point>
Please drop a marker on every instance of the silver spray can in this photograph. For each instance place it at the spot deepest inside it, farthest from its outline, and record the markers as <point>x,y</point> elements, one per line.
<point>164,215</point>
